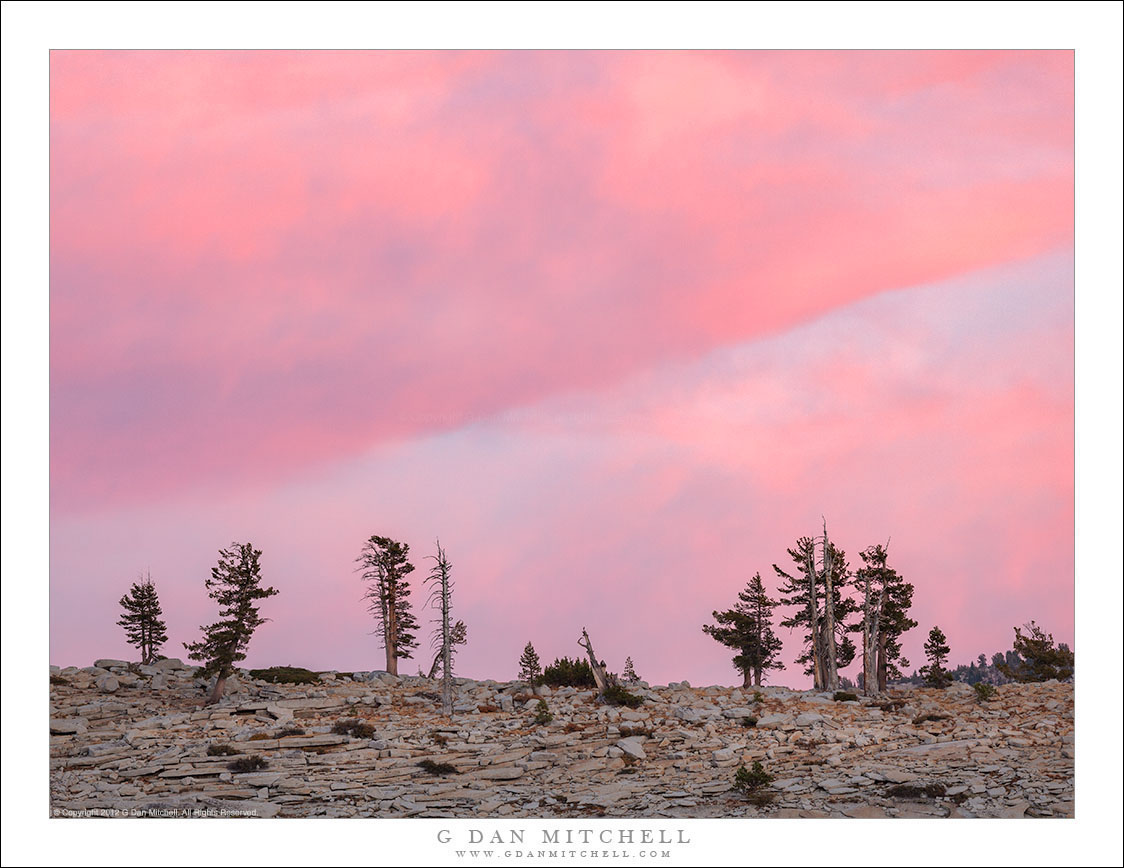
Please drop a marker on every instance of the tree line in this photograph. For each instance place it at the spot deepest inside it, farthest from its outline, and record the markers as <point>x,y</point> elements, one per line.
<point>816,589</point>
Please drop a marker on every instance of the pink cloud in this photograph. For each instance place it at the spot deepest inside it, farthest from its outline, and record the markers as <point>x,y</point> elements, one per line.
<point>266,262</point>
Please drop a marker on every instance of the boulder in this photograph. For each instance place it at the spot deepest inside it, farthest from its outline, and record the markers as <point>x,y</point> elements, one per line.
<point>633,747</point>
<point>107,683</point>
<point>110,663</point>
<point>68,726</point>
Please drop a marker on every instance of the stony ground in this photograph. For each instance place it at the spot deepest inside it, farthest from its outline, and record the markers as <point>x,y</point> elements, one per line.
<point>128,739</point>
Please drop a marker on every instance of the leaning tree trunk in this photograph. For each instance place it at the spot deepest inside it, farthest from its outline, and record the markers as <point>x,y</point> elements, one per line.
<point>831,670</point>
<point>446,647</point>
<point>217,691</point>
<point>598,673</point>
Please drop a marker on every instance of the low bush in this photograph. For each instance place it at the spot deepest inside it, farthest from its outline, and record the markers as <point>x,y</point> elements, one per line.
<point>752,784</point>
<point>354,728</point>
<point>917,791</point>
<point>564,672</point>
<point>289,731</point>
<point>261,736</point>
<point>58,681</point>
<point>749,721</point>
<point>248,764</point>
<point>433,768</point>
<point>844,696</point>
<point>984,692</point>
<point>617,695</point>
<point>222,750</point>
<point>542,713</point>
<point>285,675</point>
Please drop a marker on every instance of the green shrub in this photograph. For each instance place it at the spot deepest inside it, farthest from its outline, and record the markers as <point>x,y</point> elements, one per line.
<point>752,783</point>
<point>285,675</point>
<point>617,695</point>
<point>844,696</point>
<point>542,713</point>
<point>564,672</point>
<point>984,691</point>
<point>749,721</point>
<point>758,696</point>
<point>354,728</point>
<point>248,764</point>
<point>222,750</point>
<point>437,768</point>
<point>917,791</point>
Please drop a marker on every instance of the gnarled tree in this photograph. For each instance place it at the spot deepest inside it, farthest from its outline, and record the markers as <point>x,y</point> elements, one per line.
<point>748,629</point>
<point>815,590</point>
<point>886,602</point>
<point>385,564</point>
<point>236,584</point>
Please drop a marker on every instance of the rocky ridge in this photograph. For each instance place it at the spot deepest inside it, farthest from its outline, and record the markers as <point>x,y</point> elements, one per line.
<point>130,740</point>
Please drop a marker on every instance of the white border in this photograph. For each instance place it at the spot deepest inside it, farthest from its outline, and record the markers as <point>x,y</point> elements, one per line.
<point>30,29</point>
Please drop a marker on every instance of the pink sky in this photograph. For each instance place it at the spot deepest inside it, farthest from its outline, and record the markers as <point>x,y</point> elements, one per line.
<point>618,327</point>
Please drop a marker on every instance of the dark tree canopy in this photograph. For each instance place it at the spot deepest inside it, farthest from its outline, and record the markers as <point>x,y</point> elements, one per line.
<point>144,628</point>
<point>894,622</point>
<point>385,564</point>
<point>936,651</point>
<point>794,592</point>
<point>748,629</point>
<point>236,585</point>
<point>530,668</point>
<point>1036,658</point>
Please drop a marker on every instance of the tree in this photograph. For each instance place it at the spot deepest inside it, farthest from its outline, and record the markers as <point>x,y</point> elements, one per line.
<point>143,626</point>
<point>530,669</point>
<point>385,564</point>
<point>807,591</point>
<point>629,673</point>
<point>886,594</point>
<point>748,628</point>
<point>458,635</point>
<point>441,582</point>
<point>1036,658</point>
<point>936,651</point>
<point>236,584</point>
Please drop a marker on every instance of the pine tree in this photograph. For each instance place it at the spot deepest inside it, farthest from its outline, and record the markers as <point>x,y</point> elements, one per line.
<point>143,626</point>
<point>893,596</point>
<point>629,674</point>
<point>1036,658</point>
<point>936,651</point>
<point>748,628</point>
<point>385,564</point>
<point>236,584</point>
<point>530,669</point>
<point>794,591</point>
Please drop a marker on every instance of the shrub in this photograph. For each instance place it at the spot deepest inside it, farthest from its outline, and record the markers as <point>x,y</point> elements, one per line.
<point>437,768</point>
<point>289,731</point>
<point>749,721</point>
<point>542,713</point>
<point>285,675</point>
<point>564,672</point>
<point>984,691</point>
<point>844,696</point>
<point>58,680</point>
<point>915,791</point>
<point>752,782</point>
<point>261,736</point>
<point>248,764</point>
<point>222,750</point>
<point>617,695</point>
<point>758,696</point>
<point>1037,658</point>
<point>354,728</point>
<point>630,731</point>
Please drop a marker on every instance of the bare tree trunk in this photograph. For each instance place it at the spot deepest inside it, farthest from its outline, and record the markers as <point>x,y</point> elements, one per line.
<point>881,663</point>
<point>598,673</point>
<point>390,641</point>
<point>814,621</point>
<point>446,649</point>
<point>831,670</point>
<point>872,619</point>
